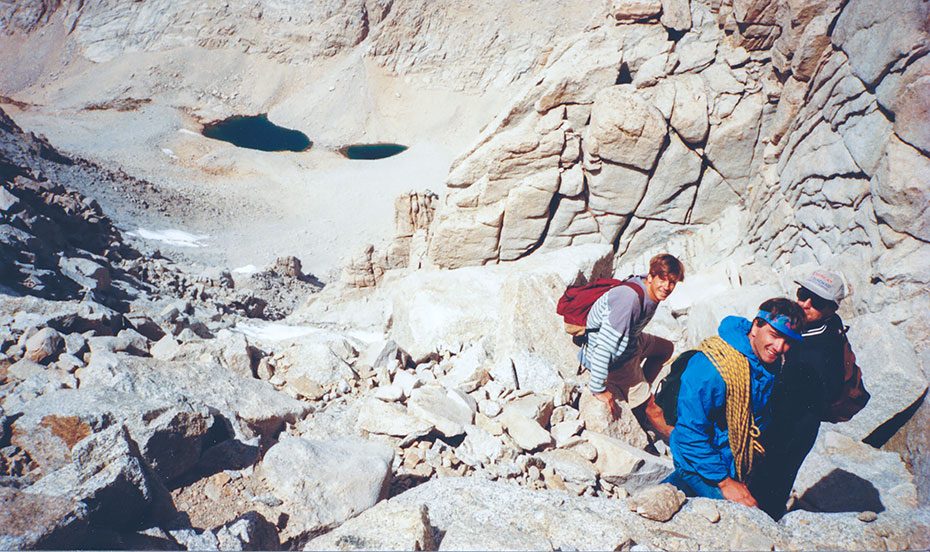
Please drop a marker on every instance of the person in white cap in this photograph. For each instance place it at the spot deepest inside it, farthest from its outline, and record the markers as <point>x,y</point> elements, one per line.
<point>811,381</point>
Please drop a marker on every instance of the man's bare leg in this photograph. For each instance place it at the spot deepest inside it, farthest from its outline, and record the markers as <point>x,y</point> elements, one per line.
<point>650,416</point>
<point>656,356</point>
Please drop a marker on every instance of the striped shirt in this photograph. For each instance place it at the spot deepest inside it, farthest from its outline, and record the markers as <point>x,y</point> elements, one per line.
<point>618,321</point>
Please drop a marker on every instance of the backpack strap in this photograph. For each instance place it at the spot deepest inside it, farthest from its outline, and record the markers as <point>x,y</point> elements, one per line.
<point>734,369</point>
<point>627,283</point>
<point>853,395</point>
<point>666,396</point>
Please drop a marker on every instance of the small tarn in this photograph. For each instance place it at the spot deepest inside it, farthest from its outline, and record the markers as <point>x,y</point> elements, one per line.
<point>371,151</point>
<point>258,133</point>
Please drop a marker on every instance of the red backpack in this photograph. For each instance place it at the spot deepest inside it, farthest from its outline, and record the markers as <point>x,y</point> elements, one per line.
<point>577,301</point>
<point>853,396</point>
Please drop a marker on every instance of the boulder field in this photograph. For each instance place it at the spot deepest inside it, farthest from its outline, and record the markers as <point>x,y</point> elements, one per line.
<point>420,393</point>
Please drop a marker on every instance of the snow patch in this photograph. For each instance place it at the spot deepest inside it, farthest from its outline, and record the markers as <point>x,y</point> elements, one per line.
<point>247,269</point>
<point>178,238</point>
<point>273,331</point>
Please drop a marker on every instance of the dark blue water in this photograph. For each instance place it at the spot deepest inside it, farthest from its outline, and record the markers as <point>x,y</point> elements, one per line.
<point>257,133</point>
<point>372,151</point>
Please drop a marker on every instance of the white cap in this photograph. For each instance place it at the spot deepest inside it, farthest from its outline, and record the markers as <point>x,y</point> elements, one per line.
<point>825,284</point>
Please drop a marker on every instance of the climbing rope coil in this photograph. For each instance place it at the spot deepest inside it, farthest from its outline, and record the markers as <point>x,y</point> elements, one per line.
<point>744,435</point>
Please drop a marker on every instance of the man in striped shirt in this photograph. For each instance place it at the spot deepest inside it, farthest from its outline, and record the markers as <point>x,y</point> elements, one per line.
<point>621,359</point>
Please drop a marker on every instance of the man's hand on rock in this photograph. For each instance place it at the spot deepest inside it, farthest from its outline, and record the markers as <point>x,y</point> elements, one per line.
<point>607,397</point>
<point>737,492</point>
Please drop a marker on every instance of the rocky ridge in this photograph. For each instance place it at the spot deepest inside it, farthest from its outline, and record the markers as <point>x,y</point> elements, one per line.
<point>459,384</point>
<point>312,441</point>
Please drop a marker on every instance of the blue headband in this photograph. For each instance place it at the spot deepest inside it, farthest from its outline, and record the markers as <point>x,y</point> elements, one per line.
<point>781,323</point>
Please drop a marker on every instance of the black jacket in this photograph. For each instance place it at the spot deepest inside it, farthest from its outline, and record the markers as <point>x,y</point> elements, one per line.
<point>810,380</point>
<point>812,376</point>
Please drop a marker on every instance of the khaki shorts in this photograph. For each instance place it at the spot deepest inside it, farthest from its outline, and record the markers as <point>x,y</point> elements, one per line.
<point>628,379</point>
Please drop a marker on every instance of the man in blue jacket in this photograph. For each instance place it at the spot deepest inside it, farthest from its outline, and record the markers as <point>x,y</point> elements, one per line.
<point>806,390</point>
<point>713,442</point>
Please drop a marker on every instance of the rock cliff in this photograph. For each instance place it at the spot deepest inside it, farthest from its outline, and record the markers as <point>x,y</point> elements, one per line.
<point>427,397</point>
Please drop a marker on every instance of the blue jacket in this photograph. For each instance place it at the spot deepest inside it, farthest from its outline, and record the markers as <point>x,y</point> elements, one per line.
<point>700,441</point>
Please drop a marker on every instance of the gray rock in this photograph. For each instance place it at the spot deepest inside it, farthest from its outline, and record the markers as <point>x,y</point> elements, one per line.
<point>385,526</point>
<point>489,408</point>
<point>166,348</point>
<point>235,352</point>
<point>676,14</point>
<point>896,196</point>
<point>748,538</point>
<point>843,474</point>
<point>75,344</point>
<point>568,522</point>
<point>471,535</point>
<point>563,414</point>
<point>250,531</point>
<point>8,201</point>
<point>626,466</point>
<point>729,146</point>
<point>843,531</point>
<point>890,371</point>
<point>574,76</point>
<point>136,342</point>
<point>86,273</point>
<point>434,405</point>
<point>376,416</point>
<point>874,38</point>
<point>707,508</point>
<point>389,393</point>
<point>695,54</point>
<point>534,406</point>
<point>323,483</point>
<point>525,431</point>
<point>84,316</point>
<point>635,10</point>
<point>570,466</point>
<point>865,132</point>
<point>524,221</point>
<point>252,407</point>
<point>35,522</point>
<point>463,400</point>
<point>563,431</point>
<point>190,539</point>
<point>529,371</point>
<point>479,448</point>
<point>108,475</point>
<point>39,383</point>
<point>146,326</point>
<point>657,502</point>
<point>169,436</point>
<point>320,362</point>
<point>910,110</point>
<point>666,196</point>
<point>651,71</point>
<point>597,418</point>
<point>689,113</point>
<point>624,128</point>
<point>407,381</point>
<point>24,369</point>
<point>107,344</point>
<point>467,366</point>
<point>44,346</point>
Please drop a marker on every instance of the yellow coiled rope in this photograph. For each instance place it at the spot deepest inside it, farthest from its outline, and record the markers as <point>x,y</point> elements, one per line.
<point>744,435</point>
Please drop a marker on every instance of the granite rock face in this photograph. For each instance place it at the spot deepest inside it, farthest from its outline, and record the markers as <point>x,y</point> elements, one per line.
<point>346,477</point>
<point>430,398</point>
